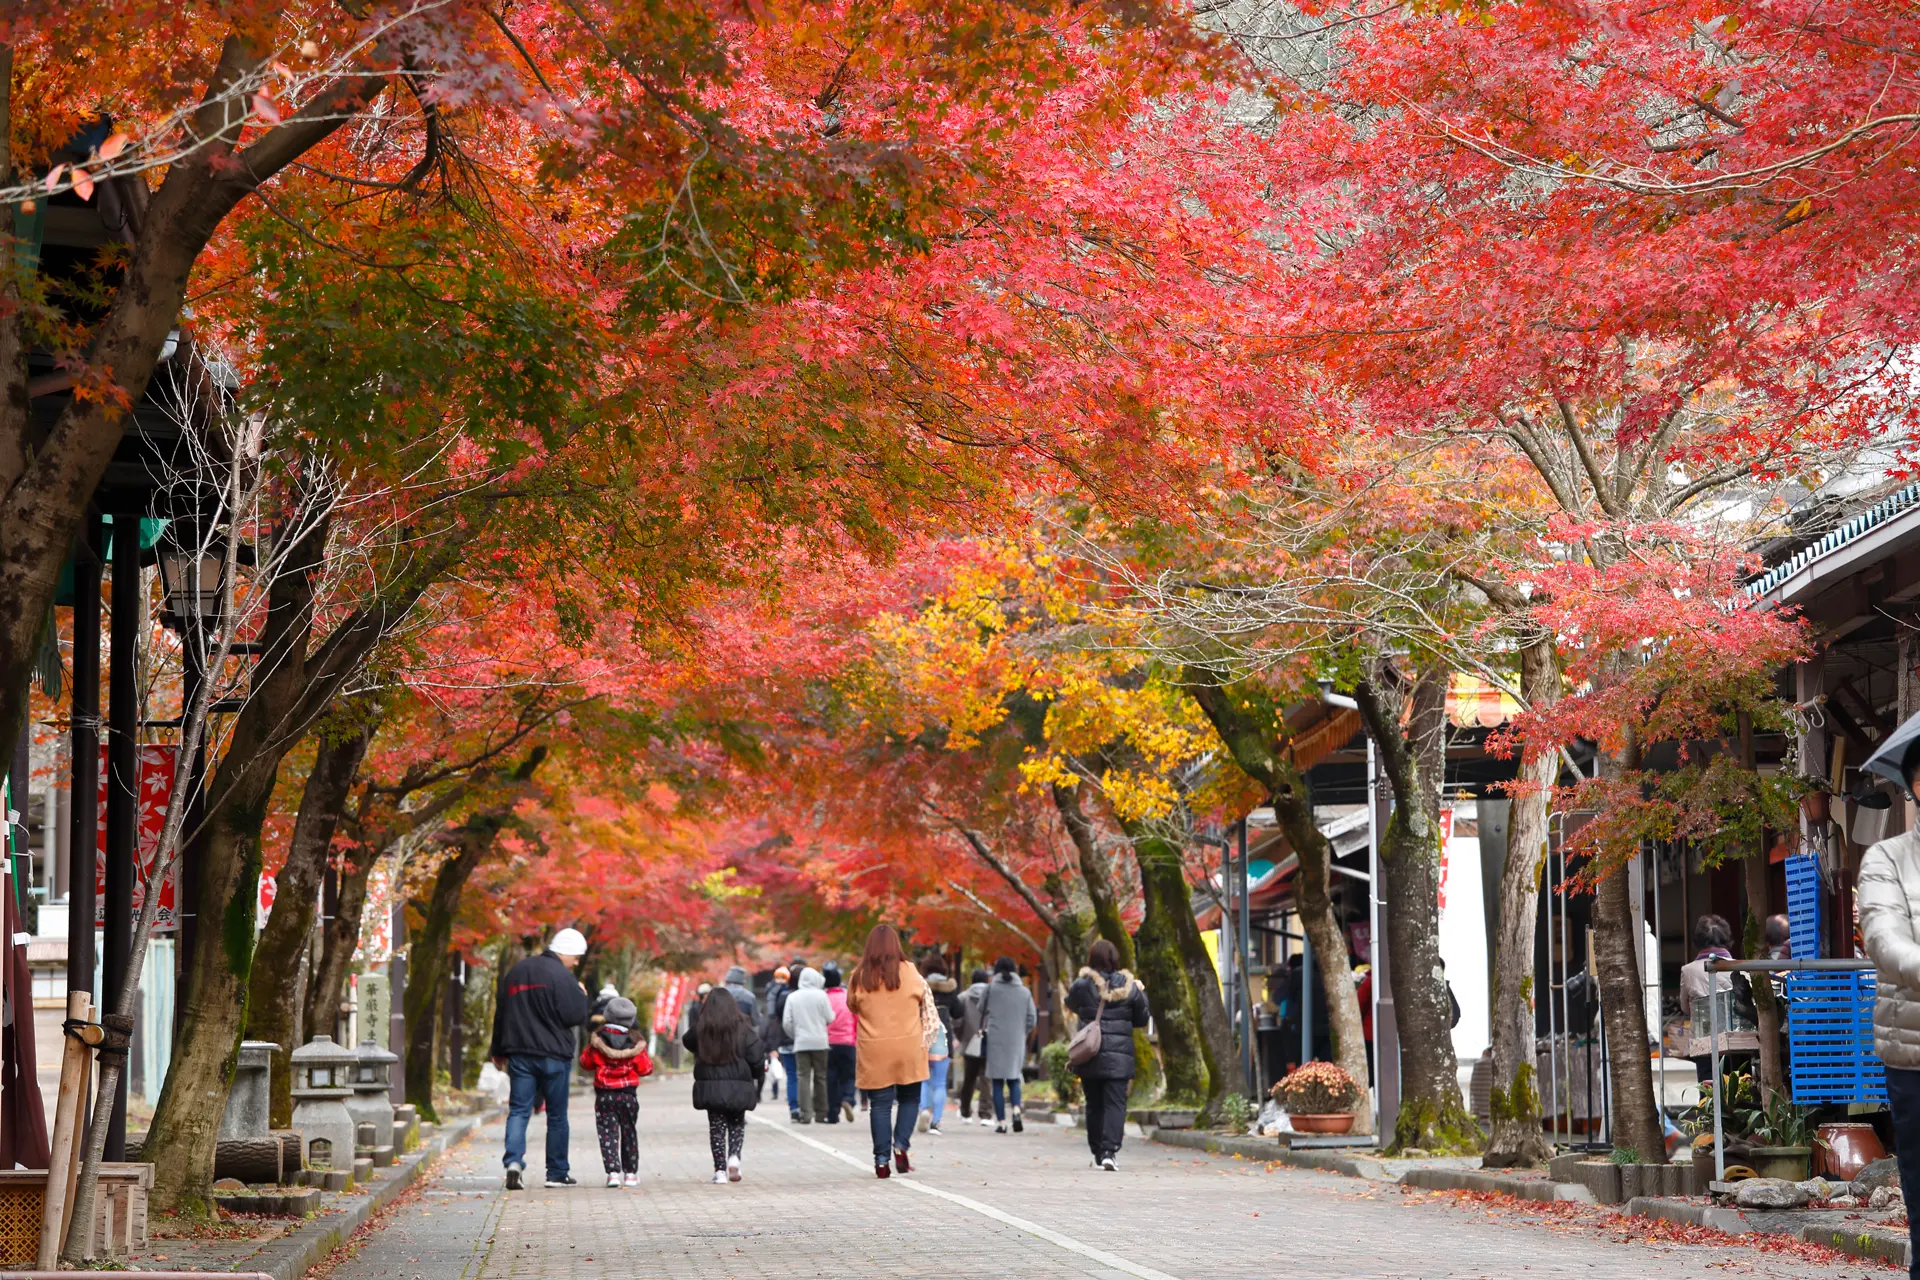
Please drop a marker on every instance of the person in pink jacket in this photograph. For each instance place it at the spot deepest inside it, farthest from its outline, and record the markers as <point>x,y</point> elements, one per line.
<point>841,1034</point>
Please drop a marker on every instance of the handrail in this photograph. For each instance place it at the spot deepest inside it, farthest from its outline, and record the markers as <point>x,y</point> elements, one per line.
<point>1713,1023</point>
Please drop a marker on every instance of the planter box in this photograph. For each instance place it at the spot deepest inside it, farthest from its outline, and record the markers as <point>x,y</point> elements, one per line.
<point>119,1212</point>
<point>1164,1119</point>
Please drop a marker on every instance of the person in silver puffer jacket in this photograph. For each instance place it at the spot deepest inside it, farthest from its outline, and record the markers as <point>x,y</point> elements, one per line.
<point>1888,894</point>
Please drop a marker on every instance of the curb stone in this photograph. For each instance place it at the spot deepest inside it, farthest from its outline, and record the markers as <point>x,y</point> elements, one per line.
<point>291,1256</point>
<point>1876,1243</point>
<point>1497,1184</point>
<point>1268,1150</point>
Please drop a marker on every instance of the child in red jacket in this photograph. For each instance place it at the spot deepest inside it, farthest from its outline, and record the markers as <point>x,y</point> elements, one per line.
<point>618,1060</point>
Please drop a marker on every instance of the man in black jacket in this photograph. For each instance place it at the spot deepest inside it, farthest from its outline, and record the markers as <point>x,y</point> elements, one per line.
<point>541,1003</point>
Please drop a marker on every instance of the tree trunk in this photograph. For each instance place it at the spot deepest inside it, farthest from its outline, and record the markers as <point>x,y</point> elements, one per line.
<point>276,971</point>
<point>1754,873</point>
<point>1433,1115</point>
<point>1616,959</point>
<point>1168,908</point>
<point>1516,1139</point>
<point>1107,919</point>
<point>327,986</point>
<point>1254,730</point>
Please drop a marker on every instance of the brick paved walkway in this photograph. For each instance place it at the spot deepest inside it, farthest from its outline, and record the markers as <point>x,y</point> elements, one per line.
<point>803,1212</point>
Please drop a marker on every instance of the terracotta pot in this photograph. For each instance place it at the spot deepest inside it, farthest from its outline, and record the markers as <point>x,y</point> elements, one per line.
<point>1342,1123</point>
<point>1816,805</point>
<point>1844,1149</point>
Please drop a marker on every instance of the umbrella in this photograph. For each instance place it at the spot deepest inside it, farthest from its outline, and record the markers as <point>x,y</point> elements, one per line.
<point>1893,758</point>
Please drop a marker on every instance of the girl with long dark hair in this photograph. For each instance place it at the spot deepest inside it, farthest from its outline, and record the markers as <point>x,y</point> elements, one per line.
<point>729,1066</point>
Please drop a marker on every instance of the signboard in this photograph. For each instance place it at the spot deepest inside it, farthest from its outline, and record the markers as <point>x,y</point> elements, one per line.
<point>376,1005</point>
<point>154,786</point>
<point>666,1005</point>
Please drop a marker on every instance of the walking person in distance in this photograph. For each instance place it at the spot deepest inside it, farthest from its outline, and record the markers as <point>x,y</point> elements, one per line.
<point>933,1098</point>
<point>841,1056</point>
<point>805,1016</point>
<point>729,1066</point>
<point>541,1002</point>
<point>894,1010</point>
<point>1010,1019</point>
<point>618,1060</point>
<point>1106,993</point>
<point>786,980</point>
<point>971,1038</point>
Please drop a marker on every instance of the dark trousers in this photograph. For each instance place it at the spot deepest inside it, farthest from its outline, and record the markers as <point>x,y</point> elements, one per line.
<point>810,1095</point>
<point>841,1061</point>
<point>615,1116</point>
<point>892,1131</point>
<point>1903,1100</point>
<point>969,1081</point>
<point>1106,1116</point>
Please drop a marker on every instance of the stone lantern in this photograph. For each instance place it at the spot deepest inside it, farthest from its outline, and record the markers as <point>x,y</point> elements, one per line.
<point>370,1103</point>
<point>322,1082</point>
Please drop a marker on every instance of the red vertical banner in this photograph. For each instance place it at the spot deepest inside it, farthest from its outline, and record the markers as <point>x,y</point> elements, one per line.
<point>666,1006</point>
<point>1446,836</point>
<point>155,774</point>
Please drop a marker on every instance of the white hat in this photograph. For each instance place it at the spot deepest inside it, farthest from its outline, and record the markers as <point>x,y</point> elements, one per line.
<point>568,942</point>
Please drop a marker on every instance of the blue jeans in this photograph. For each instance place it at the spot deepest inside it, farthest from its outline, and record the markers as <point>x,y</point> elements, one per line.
<point>999,1097</point>
<point>791,1065</point>
<point>892,1132</point>
<point>934,1097</point>
<point>546,1077</point>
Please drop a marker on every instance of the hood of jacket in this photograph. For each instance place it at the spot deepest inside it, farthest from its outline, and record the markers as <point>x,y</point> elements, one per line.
<point>613,1054</point>
<point>1114,987</point>
<point>941,982</point>
<point>977,990</point>
<point>737,977</point>
<point>812,981</point>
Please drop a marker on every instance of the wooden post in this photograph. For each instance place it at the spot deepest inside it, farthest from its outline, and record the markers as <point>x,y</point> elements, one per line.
<point>62,1166</point>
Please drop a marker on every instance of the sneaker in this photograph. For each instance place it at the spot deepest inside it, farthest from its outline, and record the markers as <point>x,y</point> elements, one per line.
<point>926,1119</point>
<point>1000,1128</point>
<point>613,1180</point>
<point>847,1110</point>
<point>564,1180</point>
<point>900,1161</point>
<point>986,1122</point>
<point>719,1177</point>
<point>515,1177</point>
<point>631,1180</point>
<point>934,1129</point>
<point>733,1168</point>
<point>1018,1127</point>
<point>803,1119</point>
<point>882,1171</point>
<point>795,1117</point>
<point>1109,1165</point>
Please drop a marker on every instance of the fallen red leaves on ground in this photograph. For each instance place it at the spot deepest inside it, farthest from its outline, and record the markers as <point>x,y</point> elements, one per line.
<point>1632,1229</point>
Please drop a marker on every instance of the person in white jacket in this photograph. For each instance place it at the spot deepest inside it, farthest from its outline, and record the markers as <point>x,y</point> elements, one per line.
<point>805,1017</point>
<point>1888,896</point>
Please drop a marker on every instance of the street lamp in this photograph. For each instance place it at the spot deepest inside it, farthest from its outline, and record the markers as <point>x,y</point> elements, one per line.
<point>194,580</point>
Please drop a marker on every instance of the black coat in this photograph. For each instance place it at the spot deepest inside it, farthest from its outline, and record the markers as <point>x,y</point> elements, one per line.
<point>1121,1005</point>
<point>541,1003</point>
<point>727,1086</point>
<point>777,1037</point>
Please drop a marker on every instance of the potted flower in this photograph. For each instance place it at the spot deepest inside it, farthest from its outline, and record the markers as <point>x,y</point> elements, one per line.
<point>1319,1098</point>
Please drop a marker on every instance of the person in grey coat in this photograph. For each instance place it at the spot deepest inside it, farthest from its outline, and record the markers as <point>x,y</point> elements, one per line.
<point>1010,1019</point>
<point>1888,897</point>
<point>970,1043</point>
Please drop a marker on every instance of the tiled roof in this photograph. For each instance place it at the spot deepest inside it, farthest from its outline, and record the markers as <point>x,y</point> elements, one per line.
<point>1873,517</point>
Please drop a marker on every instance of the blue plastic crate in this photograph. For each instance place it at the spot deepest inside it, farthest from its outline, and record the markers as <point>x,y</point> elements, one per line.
<point>1830,1037</point>
<point>1803,907</point>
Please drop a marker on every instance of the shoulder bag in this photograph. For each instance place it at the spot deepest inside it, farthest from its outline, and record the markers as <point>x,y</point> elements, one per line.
<point>1085,1045</point>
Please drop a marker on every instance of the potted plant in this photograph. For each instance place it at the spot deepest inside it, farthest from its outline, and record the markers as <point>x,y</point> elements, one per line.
<point>1782,1139</point>
<point>1319,1098</point>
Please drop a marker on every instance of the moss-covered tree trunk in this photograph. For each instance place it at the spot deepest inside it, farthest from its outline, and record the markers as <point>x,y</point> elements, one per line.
<point>1094,870</point>
<point>271,998</point>
<point>1162,968</point>
<point>1515,1138</point>
<point>1407,720</point>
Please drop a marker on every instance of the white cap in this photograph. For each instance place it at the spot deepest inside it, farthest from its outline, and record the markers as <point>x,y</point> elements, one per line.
<point>568,942</point>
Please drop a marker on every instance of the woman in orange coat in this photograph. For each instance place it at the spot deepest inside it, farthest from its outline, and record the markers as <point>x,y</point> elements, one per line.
<point>894,1008</point>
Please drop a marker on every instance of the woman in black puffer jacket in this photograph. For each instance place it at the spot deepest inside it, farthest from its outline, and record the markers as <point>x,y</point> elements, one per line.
<point>729,1066</point>
<point>1106,991</point>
